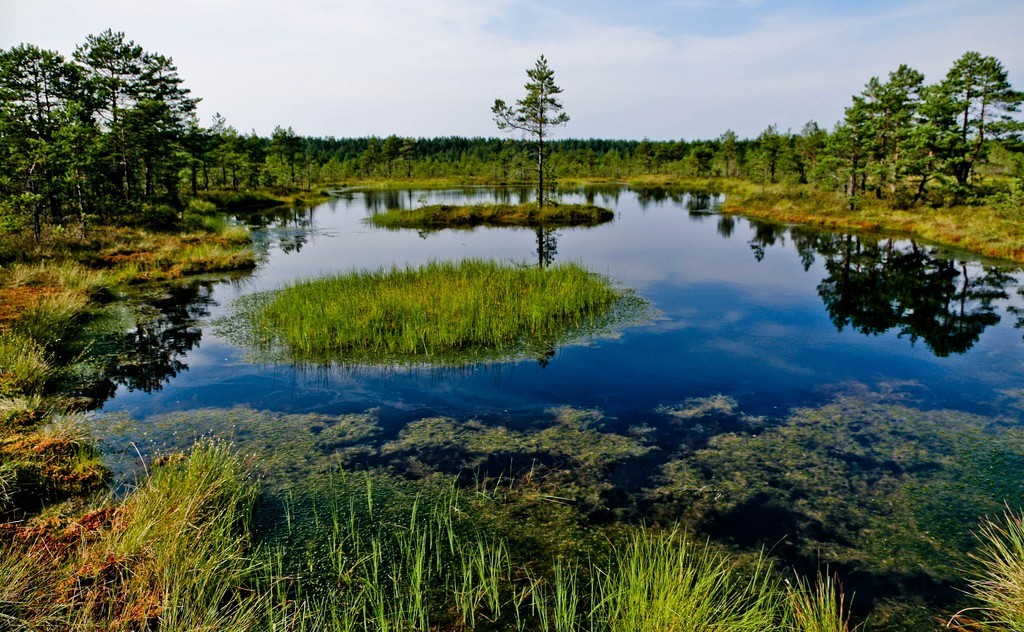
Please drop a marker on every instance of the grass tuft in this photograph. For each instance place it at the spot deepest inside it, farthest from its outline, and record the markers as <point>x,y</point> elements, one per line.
<point>441,313</point>
<point>669,582</point>
<point>819,607</point>
<point>998,577</point>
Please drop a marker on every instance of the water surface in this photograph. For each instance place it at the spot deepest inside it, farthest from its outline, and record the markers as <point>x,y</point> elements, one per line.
<point>850,401</point>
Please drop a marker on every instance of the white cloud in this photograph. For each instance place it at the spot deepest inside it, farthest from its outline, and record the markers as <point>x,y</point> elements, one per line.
<point>423,69</point>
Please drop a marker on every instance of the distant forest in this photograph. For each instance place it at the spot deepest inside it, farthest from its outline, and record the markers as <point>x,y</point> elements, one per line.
<point>112,130</point>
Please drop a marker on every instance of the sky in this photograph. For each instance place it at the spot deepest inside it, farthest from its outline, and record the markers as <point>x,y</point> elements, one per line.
<point>629,69</point>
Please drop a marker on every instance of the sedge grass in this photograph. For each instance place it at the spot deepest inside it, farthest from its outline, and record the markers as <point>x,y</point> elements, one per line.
<point>997,583</point>
<point>379,556</point>
<point>818,607</point>
<point>669,582</point>
<point>473,215</point>
<point>441,313</point>
<point>24,367</point>
<point>174,555</point>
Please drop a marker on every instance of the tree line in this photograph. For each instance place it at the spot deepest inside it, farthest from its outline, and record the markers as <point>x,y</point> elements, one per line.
<point>111,134</point>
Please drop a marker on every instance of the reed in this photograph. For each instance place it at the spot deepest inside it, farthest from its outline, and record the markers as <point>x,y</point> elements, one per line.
<point>473,215</point>
<point>441,313</point>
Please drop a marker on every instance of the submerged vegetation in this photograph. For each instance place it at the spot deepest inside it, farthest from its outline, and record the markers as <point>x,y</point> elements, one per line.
<point>440,313</point>
<point>864,489</point>
<point>545,526</point>
<point>472,215</point>
<point>185,550</point>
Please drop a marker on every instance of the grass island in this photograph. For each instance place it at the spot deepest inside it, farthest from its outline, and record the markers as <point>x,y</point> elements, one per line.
<point>440,313</point>
<point>529,214</point>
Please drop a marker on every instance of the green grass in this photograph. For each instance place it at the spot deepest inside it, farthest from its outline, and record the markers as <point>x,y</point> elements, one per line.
<point>669,582</point>
<point>24,367</point>
<point>988,230</point>
<point>440,313</point>
<point>174,554</point>
<point>473,215</point>
<point>182,551</point>
<point>997,582</point>
<point>818,607</point>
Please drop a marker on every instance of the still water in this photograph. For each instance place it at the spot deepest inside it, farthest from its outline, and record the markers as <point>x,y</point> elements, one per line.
<point>847,401</point>
<point>770,316</point>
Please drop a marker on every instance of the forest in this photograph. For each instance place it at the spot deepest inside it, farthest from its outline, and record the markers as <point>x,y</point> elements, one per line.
<point>111,135</point>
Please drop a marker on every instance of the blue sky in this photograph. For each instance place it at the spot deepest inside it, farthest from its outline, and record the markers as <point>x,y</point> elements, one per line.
<point>660,69</point>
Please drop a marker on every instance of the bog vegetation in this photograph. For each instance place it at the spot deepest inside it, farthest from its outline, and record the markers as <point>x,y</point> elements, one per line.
<point>111,134</point>
<point>439,313</point>
<point>101,147</point>
<point>472,215</point>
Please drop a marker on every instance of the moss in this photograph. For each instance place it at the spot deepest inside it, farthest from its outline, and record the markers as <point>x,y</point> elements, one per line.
<point>47,466</point>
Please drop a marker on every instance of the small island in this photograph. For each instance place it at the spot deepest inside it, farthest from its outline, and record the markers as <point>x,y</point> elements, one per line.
<point>530,215</point>
<point>441,313</point>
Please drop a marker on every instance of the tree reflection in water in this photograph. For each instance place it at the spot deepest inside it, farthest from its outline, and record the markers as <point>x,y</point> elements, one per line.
<point>877,286</point>
<point>151,354</point>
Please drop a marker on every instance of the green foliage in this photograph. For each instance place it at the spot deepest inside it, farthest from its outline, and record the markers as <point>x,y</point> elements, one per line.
<point>441,313</point>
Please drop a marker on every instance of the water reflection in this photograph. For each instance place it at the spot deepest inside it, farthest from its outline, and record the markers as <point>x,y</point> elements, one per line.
<point>153,352</point>
<point>876,287</point>
<point>145,347</point>
<point>693,201</point>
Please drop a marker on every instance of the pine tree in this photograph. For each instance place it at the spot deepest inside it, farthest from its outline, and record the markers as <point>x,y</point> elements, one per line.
<point>534,114</point>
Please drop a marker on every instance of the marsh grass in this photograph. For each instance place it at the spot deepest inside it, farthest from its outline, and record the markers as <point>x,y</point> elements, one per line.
<point>440,313</point>
<point>174,555</point>
<point>988,230</point>
<point>24,367</point>
<point>997,579</point>
<point>669,582</point>
<point>50,317</point>
<point>374,554</point>
<point>818,606</point>
<point>472,215</point>
<point>183,551</point>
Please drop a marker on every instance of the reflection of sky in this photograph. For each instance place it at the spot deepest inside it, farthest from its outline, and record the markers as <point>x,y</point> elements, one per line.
<point>725,323</point>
